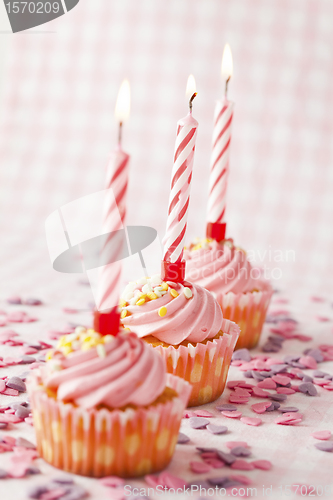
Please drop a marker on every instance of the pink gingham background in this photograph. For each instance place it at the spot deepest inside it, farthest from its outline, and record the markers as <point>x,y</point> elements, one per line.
<point>57,129</point>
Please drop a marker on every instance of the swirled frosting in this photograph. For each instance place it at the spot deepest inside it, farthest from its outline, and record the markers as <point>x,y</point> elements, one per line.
<point>171,312</point>
<point>125,370</point>
<point>221,267</point>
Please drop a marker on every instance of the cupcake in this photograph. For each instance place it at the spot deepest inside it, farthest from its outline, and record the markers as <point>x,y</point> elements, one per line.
<point>106,406</point>
<point>184,323</point>
<point>239,288</point>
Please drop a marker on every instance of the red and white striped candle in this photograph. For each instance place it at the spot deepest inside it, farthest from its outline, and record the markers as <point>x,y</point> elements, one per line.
<point>220,156</point>
<point>180,184</point>
<point>114,212</point>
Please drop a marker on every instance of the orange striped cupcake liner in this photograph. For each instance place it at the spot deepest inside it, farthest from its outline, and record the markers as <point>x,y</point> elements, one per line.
<point>249,311</point>
<point>204,365</point>
<point>98,443</point>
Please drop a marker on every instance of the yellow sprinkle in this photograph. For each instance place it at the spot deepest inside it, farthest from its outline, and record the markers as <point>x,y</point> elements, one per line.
<point>101,351</point>
<point>151,295</point>
<point>106,339</point>
<point>49,355</point>
<point>187,292</point>
<point>165,286</point>
<point>126,330</point>
<point>122,303</point>
<point>174,292</point>
<point>123,313</point>
<point>140,302</point>
<point>162,311</point>
<point>67,350</point>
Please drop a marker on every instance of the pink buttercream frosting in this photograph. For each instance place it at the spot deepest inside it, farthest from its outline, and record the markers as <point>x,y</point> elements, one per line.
<point>222,268</point>
<point>129,372</point>
<point>194,315</point>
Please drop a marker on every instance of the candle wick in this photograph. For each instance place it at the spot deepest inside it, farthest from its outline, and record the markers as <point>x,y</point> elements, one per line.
<point>191,100</point>
<point>120,133</point>
<point>226,85</point>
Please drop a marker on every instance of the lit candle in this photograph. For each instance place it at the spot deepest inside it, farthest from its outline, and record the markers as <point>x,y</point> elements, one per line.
<point>107,318</point>
<point>216,225</point>
<point>173,267</point>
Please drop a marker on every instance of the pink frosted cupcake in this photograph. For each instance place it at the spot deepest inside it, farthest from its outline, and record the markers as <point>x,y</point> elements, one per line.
<point>105,406</point>
<point>241,292</point>
<point>184,323</point>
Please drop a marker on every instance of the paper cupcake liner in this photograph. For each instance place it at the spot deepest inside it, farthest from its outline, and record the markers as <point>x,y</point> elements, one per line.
<point>105,442</point>
<point>248,310</point>
<point>205,366</point>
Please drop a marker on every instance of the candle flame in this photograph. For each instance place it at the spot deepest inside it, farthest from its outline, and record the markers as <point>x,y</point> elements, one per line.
<point>123,103</point>
<point>190,87</point>
<point>227,66</point>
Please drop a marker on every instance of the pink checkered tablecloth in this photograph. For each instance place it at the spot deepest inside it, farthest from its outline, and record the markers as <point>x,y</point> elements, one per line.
<point>57,128</point>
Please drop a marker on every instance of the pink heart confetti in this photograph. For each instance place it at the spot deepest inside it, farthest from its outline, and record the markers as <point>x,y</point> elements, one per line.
<point>232,414</point>
<point>268,383</point>
<point>285,390</point>
<point>261,407</point>
<point>203,413</point>
<point>309,362</point>
<point>322,435</point>
<point>262,464</point>
<point>241,464</point>
<point>251,421</point>
<point>259,393</point>
<point>281,379</point>
<point>200,467</point>
<point>234,444</point>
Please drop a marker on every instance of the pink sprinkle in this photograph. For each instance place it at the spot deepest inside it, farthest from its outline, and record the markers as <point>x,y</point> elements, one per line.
<point>262,464</point>
<point>251,420</point>
<point>7,418</point>
<point>232,414</point>
<point>237,362</point>
<point>241,392</point>
<point>242,479</point>
<point>203,413</point>
<point>200,467</point>
<point>11,361</point>
<point>171,481</point>
<point>309,362</point>
<point>260,393</point>
<point>10,392</point>
<point>8,440</point>
<point>214,462</point>
<point>273,361</point>
<point>281,379</point>
<point>241,464</point>
<point>112,481</point>
<point>152,480</point>
<point>233,383</point>
<point>268,383</point>
<point>233,444</point>
<point>323,318</point>
<point>188,414</point>
<point>317,299</point>
<point>259,365</point>
<point>285,390</point>
<point>2,386</point>
<point>69,310</point>
<point>240,400</point>
<point>260,407</point>
<point>317,381</point>
<point>29,350</point>
<point>303,338</point>
<point>322,435</point>
<point>53,494</point>
<point>29,420</point>
<point>287,421</point>
<point>245,385</point>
